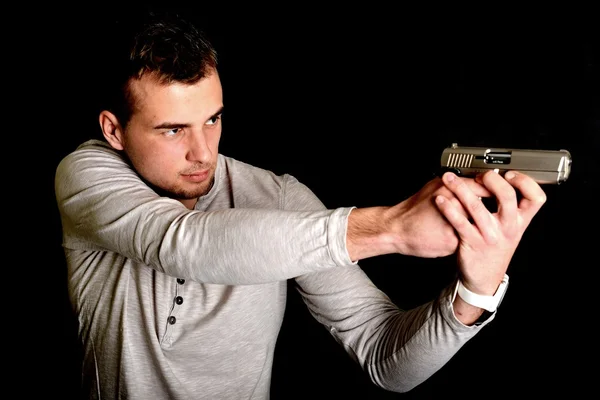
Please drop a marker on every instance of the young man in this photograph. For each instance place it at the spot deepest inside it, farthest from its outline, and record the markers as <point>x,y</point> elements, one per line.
<point>178,256</point>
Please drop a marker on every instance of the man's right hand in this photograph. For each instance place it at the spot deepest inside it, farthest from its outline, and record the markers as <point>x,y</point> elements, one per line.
<point>414,227</point>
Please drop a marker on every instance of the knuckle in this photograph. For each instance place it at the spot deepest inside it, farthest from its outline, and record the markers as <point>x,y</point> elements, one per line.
<point>492,239</point>
<point>510,227</point>
<point>508,195</point>
<point>476,205</point>
<point>489,175</point>
<point>513,233</point>
<point>541,198</point>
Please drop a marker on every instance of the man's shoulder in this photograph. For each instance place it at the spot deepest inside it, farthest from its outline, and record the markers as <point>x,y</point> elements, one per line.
<point>92,152</point>
<point>237,167</point>
<point>285,187</point>
<point>91,146</point>
<point>95,145</point>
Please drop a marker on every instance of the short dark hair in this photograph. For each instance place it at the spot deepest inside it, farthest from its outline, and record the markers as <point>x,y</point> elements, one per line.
<point>162,44</point>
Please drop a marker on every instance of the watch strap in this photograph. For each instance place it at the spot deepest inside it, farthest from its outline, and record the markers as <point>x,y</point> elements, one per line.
<point>489,303</point>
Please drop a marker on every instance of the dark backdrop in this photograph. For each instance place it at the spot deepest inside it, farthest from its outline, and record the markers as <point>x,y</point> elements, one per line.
<point>358,104</point>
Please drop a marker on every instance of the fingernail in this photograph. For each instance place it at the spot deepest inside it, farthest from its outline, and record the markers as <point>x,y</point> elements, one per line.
<point>440,199</point>
<point>450,177</point>
<point>509,175</point>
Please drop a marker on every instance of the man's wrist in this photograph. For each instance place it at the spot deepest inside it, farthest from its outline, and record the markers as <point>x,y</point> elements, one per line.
<point>488,303</point>
<point>365,235</point>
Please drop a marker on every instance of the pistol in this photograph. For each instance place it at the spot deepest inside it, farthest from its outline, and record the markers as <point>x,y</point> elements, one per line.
<point>545,166</point>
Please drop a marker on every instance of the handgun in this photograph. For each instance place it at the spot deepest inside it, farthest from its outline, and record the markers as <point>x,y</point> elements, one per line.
<point>544,166</point>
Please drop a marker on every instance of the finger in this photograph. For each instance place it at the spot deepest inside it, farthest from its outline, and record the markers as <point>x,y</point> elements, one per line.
<point>477,187</point>
<point>444,191</point>
<point>458,206</point>
<point>472,203</point>
<point>456,218</point>
<point>506,197</point>
<point>533,196</point>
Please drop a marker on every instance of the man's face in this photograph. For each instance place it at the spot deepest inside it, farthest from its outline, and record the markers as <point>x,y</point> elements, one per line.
<point>173,135</point>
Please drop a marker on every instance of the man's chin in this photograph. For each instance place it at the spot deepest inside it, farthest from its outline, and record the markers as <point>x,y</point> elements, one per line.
<point>195,192</point>
<point>182,194</point>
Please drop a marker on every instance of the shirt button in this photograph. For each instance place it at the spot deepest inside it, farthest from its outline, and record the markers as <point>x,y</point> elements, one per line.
<point>178,299</point>
<point>172,320</point>
<point>181,281</point>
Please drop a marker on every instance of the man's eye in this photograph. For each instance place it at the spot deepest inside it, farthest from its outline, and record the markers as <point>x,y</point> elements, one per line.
<point>213,120</point>
<point>172,132</point>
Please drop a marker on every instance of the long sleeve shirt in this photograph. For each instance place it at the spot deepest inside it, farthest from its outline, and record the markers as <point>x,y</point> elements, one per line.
<point>175,303</point>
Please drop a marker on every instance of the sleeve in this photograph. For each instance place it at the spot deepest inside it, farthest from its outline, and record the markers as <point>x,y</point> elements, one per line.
<point>104,205</point>
<point>398,349</point>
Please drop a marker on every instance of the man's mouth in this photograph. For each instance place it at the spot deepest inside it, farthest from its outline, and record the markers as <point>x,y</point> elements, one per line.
<point>197,176</point>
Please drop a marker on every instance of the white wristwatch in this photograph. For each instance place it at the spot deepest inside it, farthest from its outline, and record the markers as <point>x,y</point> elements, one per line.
<point>489,303</point>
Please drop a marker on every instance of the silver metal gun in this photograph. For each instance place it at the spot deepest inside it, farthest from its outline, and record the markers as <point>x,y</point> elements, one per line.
<point>545,166</point>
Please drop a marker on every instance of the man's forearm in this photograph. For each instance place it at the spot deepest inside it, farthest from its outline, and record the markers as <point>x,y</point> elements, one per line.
<point>367,234</point>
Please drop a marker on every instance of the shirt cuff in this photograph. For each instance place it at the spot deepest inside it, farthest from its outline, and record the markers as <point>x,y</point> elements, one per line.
<point>337,229</point>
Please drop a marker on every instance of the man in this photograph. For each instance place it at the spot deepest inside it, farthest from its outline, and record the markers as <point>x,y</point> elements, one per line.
<point>178,256</point>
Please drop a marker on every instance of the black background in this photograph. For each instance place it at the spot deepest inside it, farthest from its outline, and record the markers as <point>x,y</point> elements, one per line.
<point>357,103</point>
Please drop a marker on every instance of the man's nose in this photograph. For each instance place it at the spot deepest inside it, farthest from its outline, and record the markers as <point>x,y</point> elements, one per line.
<point>198,150</point>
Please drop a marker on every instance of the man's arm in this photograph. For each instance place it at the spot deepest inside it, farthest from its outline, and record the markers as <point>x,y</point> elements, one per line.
<point>400,349</point>
<point>104,205</point>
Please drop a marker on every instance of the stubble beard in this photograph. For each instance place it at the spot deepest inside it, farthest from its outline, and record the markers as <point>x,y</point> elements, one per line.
<point>178,193</point>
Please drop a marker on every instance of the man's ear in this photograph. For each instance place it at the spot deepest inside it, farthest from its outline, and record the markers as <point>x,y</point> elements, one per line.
<point>111,129</point>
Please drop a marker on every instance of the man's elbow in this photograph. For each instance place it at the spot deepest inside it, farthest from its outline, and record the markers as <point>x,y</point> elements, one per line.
<point>396,381</point>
